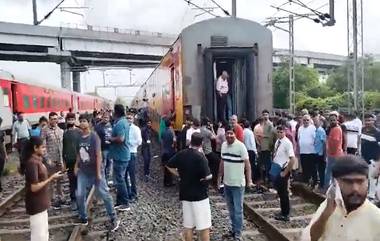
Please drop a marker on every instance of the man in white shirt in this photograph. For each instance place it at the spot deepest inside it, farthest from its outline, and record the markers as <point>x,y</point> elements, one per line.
<point>20,132</point>
<point>306,140</point>
<point>195,127</point>
<point>222,91</point>
<point>134,141</point>
<point>354,130</point>
<point>346,214</point>
<point>250,144</point>
<point>283,161</point>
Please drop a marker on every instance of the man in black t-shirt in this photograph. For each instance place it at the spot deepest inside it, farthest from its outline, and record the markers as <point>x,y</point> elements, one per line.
<point>192,168</point>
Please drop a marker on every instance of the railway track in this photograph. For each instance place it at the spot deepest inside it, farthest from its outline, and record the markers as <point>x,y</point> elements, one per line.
<point>261,209</point>
<point>14,222</point>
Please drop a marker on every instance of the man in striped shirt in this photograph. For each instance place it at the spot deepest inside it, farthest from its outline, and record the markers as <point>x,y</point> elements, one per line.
<point>236,172</point>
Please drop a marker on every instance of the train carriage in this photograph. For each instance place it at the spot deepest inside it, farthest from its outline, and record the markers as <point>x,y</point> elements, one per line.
<point>184,82</point>
<point>36,101</point>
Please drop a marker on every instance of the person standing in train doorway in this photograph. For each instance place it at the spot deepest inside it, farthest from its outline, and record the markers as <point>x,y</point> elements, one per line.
<point>222,92</point>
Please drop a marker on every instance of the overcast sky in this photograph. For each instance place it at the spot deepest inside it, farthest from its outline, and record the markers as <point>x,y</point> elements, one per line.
<point>171,16</point>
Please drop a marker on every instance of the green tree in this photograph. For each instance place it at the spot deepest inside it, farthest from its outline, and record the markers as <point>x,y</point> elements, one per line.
<point>338,77</point>
<point>305,79</point>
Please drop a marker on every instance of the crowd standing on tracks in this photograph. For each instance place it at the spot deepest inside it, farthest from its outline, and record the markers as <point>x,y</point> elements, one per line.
<point>272,151</point>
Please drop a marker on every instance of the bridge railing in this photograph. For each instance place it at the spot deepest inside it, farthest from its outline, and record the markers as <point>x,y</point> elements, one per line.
<point>117,30</point>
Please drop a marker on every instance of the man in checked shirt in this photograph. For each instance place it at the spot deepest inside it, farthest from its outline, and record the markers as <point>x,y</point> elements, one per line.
<point>52,136</point>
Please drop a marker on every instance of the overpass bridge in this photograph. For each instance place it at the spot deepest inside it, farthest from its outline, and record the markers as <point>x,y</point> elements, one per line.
<point>77,48</point>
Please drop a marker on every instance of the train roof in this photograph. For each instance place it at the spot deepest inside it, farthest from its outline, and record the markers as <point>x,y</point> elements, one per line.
<point>226,20</point>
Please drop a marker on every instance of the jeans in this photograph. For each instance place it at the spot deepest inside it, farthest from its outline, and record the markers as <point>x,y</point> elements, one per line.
<point>72,179</point>
<point>107,164</point>
<point>2,164</point>
<point>372,182</point>
<point>328,171</point>
<point>321,166</point>
<point>281,185</point>
<point>255,171</point>
<point>131,172</point>
<point>168,177</point>
<point>213,163</point>
<point>56,185</point>
<point>85,182</point>
<point>119,169</point>
<point>308,162</point>
<point>266,161</point>
<point>221,106</point>
<point>145,152</point>
<point>234,198</point>
<point>229,105</point>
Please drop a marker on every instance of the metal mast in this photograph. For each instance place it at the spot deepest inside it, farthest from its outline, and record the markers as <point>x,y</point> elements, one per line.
<point>234,8</point>
<point>35,21</point>
<point>292,91</point>
<point>355,51</point>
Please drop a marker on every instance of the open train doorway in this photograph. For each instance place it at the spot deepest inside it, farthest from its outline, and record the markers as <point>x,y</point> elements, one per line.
<point>240,65</point>
<point>225,65</point>
<point>238,86</point>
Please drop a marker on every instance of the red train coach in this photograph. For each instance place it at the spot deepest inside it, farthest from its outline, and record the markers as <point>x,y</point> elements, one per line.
<point>36,101</point>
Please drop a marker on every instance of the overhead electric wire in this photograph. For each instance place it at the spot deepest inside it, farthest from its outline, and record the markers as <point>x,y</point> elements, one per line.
<point>201,8</point>
<point>49,13</point>
<point>295,14</point>
<point>298,2</point>
<point>221,8</point>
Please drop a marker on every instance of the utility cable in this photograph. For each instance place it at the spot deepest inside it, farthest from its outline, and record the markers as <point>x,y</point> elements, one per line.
<point>221,8</point>
<point>49,13</point>
<point>200,8</point>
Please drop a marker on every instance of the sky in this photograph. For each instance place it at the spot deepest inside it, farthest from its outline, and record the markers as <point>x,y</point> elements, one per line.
<point>170,16</point>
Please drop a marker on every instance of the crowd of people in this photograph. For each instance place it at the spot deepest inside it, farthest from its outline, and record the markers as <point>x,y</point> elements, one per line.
<point>102,151</point>
<point>270,151</point>
<point>98,150</point>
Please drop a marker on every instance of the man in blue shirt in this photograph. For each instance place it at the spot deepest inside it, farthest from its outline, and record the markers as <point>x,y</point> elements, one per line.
<point>168,141</point>
<point>119,152</point>
<point>320,149</point>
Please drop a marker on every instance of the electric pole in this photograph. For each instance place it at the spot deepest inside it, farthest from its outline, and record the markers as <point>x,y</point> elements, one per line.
<point>35,20</point>
<point>326,19</point>
<point>234,8</point>
<point>292,91</point>
<point>355,50</point>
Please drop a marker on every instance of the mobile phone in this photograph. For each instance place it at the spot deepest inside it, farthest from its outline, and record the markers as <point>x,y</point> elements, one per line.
<point>331,191</point>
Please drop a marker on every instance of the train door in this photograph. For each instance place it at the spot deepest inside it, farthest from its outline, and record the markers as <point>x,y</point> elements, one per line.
<point>239,64</point>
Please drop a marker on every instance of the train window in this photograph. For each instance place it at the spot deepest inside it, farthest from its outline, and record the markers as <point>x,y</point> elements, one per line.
<point>42,102</point>
<point>49,102</point>
<point>26,101</point>
<point>6,97</point>
<point>35,102</point>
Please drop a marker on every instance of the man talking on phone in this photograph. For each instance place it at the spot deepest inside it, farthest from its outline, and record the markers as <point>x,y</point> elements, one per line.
<point>346,214</point>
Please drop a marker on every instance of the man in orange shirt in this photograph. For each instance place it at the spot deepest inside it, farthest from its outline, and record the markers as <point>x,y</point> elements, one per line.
<point>334,145</point>
<point>239,132</point>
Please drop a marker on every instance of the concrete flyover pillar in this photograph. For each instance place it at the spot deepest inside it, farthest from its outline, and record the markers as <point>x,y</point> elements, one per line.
<point>76,81</point>
<point>66,76</point>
